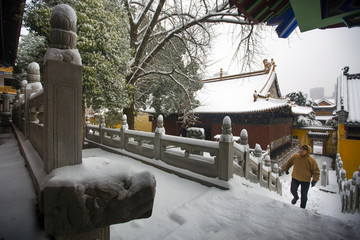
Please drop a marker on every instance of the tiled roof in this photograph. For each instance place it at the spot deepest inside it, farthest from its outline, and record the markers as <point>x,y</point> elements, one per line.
<point>236,94</point>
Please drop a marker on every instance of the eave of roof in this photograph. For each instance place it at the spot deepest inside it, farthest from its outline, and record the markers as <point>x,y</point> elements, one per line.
<point>11,13</point>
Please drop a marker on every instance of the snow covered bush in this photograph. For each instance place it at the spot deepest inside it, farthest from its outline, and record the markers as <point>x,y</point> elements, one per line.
<point>302,121</point>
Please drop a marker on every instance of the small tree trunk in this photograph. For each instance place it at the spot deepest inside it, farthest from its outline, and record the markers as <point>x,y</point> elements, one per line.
<point>130,113</point>
<point>83,122</point>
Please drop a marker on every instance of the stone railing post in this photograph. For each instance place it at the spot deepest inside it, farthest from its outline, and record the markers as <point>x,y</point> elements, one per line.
<point>342,181</point>
<point>75,202</point>
<point>226,151</point>
<point>124,126</point>
<point>257,154</point>
<point>63,92</point>
<point>159,131</point>
<point>34,85</point>
<point>245,143</point>
<point>101,126</point>
<point>337,166</point>
<point>20,110</point>
<point>324,176</point>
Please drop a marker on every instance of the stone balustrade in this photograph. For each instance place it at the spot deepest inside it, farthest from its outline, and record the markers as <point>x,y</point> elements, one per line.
<point>175,151</point>
<point>76,202</point>
<point>211,159</point>
<point>256,165</point>
<point>349,190</point>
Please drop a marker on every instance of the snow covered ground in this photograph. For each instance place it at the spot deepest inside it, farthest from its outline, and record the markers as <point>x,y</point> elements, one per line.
<point>187,210</point>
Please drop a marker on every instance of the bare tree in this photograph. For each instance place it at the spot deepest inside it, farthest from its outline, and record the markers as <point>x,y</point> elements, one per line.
<point>160,27</point>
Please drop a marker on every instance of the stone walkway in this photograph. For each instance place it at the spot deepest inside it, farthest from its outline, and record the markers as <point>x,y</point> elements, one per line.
<point>18,198</point>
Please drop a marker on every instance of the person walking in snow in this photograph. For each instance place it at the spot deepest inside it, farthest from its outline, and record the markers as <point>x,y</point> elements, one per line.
<point>305,168</point>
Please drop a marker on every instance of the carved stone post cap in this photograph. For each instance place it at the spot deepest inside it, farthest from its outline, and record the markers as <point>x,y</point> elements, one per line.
<point>343,173</point>
<point>124,119</point>
<point>341,164</point>
<point>226,127</point>
<point>33,68</point>
<point>355,175</point>
<point>23,83</point>
<point>267,161</point>
<point>124,124</point>
<point>244,137</point>
<point>160,121</point>
<point>63,27</point>
<point>63,17</point>
<point>258,150</point>
<point>324,165</point>
<point>276,168</point>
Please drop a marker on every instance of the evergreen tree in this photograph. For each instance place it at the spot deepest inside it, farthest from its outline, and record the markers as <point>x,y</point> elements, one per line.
<point>301,99</point>
<point>102,43</point>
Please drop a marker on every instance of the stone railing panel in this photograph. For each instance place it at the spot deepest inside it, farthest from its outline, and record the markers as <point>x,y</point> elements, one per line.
<point>176,151</point>
<point>110,137</point>
<point>93,133</point>
<point>139,142</point>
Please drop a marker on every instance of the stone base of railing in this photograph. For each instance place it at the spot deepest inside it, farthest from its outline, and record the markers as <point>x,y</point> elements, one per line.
<point>101,233</point>
<point>81,201</point>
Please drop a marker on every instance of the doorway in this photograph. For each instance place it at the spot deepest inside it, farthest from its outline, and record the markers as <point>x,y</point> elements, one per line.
<point>318,147</point>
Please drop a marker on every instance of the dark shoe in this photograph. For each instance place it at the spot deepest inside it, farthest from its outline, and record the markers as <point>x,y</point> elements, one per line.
<point>294,200</point>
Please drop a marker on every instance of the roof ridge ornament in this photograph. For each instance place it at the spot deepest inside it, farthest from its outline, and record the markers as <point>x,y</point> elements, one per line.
<point>350,76</point>
<point>268,65</point>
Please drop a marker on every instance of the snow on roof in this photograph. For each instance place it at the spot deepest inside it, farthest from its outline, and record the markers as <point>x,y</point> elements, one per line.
<point>323,118</point>
<point>301,110</point>
<point>320,128</point>
<point>318,133</point>
<point>236,95</point>
<point>324,107</point>
<point>329,101</point>
<point>348,98</point>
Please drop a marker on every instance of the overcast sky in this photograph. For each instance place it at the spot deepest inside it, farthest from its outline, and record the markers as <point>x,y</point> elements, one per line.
<point>304,60</point>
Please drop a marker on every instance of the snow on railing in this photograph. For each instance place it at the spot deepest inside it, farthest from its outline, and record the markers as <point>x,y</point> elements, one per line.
<point>211,159</point>
<point>208,158</point>
<point>255,165</point>
<point>28,110</point>
<point>349,190</point>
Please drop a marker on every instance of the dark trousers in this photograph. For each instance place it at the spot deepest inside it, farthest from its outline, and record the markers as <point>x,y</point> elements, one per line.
<point>304,191</point>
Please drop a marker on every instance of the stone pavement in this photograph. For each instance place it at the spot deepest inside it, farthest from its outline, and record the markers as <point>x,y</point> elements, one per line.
<point>18,198</point>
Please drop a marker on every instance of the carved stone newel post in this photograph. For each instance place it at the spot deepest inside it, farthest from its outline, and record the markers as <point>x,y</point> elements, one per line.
<point>63,92</point>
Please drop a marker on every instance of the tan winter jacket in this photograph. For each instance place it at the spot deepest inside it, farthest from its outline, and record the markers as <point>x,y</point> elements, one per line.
<point>304,167</point>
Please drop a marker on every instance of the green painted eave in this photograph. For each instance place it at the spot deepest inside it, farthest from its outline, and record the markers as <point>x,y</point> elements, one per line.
<point>308,15</point>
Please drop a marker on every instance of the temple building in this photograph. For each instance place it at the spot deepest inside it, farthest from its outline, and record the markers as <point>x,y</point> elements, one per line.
<point>253,101</point>
<point>324,109</point>
<point>348,114</point>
